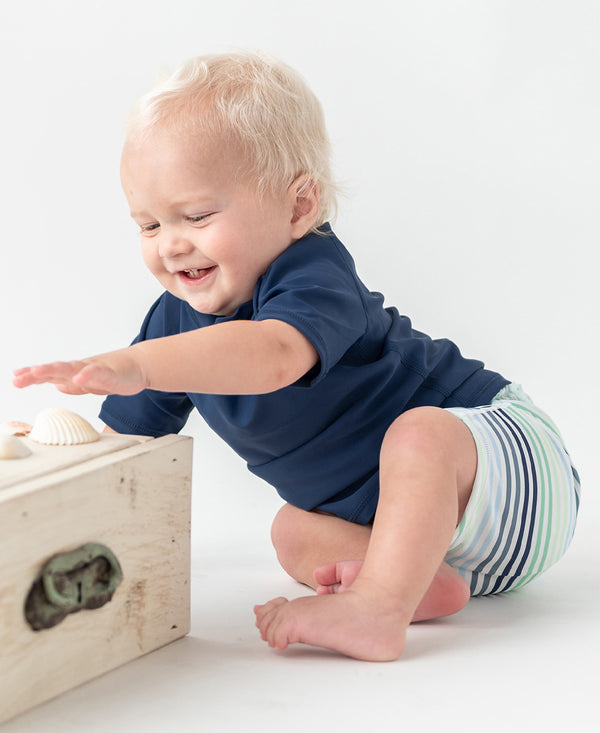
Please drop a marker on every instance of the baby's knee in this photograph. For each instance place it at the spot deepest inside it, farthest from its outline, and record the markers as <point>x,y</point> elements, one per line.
<point>284,534</point>
<point>421,431</point>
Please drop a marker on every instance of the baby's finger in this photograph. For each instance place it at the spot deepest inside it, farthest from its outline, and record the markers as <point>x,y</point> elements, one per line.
<point>27,376</point>
<point>58,372</point>
<point>22,377</point>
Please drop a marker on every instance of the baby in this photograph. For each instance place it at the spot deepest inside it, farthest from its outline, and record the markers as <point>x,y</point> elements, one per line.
<point>413,477</point>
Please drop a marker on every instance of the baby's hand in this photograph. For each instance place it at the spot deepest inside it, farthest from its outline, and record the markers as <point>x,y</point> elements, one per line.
<point>115,373</point>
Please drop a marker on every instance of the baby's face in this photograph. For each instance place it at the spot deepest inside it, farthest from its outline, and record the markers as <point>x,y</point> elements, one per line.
<point>205,236</point>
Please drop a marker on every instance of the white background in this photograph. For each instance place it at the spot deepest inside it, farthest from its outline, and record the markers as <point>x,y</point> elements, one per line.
<point>466,138</point>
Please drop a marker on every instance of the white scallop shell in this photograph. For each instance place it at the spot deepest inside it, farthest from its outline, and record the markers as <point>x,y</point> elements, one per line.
<point>12,447</point>
<point>57,426</point>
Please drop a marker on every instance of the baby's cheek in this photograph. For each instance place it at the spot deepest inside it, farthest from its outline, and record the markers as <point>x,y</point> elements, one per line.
<point>154,264</point>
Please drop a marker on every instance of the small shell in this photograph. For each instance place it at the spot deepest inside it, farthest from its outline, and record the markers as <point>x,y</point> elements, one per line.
<point>56,426</point>
<point>12,447</point>
<point>15,428</point>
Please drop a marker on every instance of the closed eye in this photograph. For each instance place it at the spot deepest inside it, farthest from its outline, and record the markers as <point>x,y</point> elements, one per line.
<point>199,218</point>
<point>149,228</point>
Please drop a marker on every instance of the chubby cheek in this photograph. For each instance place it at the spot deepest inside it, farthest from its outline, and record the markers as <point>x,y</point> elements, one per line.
<point>153,262</point>
<point>240,277</point>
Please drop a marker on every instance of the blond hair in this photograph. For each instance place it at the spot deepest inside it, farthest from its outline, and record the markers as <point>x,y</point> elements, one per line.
<point>253,102</point>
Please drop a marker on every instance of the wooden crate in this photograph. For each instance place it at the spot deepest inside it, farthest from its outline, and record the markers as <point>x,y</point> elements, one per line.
<point>128,493</point>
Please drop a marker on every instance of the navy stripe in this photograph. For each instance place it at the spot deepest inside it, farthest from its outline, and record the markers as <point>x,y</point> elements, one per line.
<point>508,453</point>
<point>577,485</point>
<point>487,575</point>
<point>514,489</point>
<point>530,499</point>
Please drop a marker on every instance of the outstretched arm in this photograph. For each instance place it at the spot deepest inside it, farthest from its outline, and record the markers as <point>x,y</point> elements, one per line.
<point>237,357</point>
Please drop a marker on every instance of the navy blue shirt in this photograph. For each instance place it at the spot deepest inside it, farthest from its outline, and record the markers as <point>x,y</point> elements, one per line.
<point>317,441</point>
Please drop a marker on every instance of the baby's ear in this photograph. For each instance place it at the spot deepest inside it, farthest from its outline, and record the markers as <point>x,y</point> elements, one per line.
<point>304,193</point>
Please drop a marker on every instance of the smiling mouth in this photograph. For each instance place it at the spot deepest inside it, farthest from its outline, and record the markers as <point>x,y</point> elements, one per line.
<point>196,274</point>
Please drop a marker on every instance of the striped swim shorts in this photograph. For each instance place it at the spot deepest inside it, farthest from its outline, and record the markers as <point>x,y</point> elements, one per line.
<point>522,512</point>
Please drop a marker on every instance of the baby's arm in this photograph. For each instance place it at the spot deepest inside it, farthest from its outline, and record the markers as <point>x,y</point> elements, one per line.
<point>237,357</point>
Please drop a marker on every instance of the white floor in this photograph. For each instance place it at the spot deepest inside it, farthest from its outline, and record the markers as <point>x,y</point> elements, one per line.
<point>524,661</point>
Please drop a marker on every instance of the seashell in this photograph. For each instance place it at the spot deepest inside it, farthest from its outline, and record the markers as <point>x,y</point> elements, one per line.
<point>56,426</point>
<point>12,447</point>
<point>15,428</point>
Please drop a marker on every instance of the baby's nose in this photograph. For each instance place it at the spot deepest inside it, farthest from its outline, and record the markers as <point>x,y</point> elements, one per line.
<point>173,243</point>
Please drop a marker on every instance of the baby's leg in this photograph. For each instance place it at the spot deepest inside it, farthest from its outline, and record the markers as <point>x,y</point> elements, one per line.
<point>427,468</point>
<point>305,541</point>
<point>315,549</point>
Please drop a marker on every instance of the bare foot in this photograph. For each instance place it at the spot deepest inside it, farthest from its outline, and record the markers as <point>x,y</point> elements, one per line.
<point>447,594</point>
<point>361,622</point>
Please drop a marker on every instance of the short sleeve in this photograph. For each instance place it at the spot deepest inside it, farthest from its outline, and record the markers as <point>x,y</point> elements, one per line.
<point>150,412</point>
<point>313,287</point>
<point>147,413</point>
